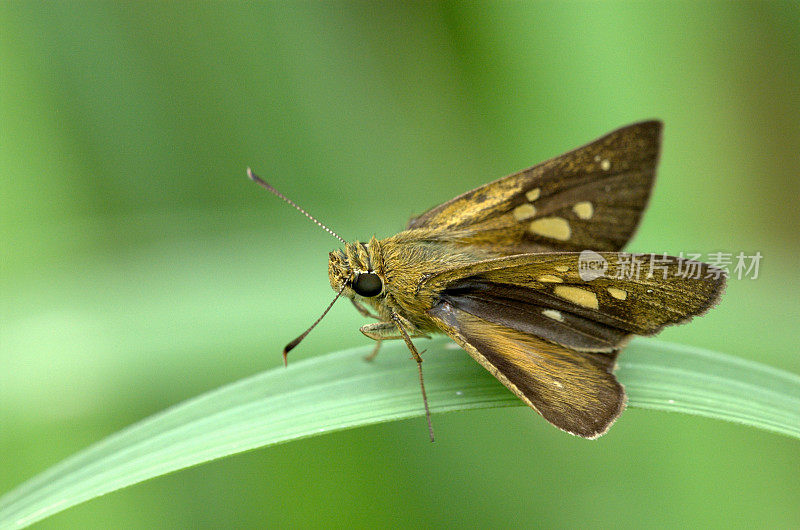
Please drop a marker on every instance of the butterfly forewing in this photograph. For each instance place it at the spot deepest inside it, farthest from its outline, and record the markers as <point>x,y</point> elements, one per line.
<point>637,293</point>
<point>592,197</point>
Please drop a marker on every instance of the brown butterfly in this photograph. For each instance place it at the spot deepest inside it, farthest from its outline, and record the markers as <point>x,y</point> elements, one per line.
<point>526,275</point>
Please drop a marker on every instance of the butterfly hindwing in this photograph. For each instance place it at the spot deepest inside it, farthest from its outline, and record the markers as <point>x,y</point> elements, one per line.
<point>551,335</point>
<point>574,391</point>
<point>592,197</point>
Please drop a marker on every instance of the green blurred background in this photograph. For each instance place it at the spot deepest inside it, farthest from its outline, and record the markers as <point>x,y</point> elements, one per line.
<point>140,267</point>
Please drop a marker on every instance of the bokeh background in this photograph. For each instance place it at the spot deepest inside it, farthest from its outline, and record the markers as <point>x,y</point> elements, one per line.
<point>140,267</point>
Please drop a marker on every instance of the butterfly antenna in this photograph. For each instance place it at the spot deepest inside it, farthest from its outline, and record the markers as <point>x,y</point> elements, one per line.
<point>255,178</point>
<point>289,347</point>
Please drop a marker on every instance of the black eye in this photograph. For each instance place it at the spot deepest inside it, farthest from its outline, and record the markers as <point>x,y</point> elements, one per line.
<point>368,284</point>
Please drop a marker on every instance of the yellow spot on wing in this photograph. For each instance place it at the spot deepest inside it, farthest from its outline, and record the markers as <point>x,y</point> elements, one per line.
<point>605,165</point>
<point>578,295</point>
<point>524,211</point>
<point>562,268</point>
<point>552,227</point>
<point>533,194</point>
<point>555,315</point>
<point>584,210</point>
<point>619,294</point>
<point>549,278</point>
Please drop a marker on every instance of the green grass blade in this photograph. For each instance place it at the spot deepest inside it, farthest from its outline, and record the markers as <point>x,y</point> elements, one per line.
<point>339,390</point>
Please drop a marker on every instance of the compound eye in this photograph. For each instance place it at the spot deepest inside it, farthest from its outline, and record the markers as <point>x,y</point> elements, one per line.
<point>368,284</point>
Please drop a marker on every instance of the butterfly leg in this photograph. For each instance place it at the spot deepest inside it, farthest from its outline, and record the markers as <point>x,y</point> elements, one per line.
<point>381,331</point>
<point>371,357</point>
<point>397,329</point>
<point>367,313</point>
<point>363,310</point>
<point>389,331</point>
<point>399,322</point>
<point>378,332</point>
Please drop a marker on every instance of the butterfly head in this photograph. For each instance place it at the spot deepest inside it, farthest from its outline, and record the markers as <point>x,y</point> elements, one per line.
<point>357,270</point>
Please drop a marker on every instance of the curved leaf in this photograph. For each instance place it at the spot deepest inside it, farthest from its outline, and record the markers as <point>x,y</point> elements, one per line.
<point>338,391</point>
